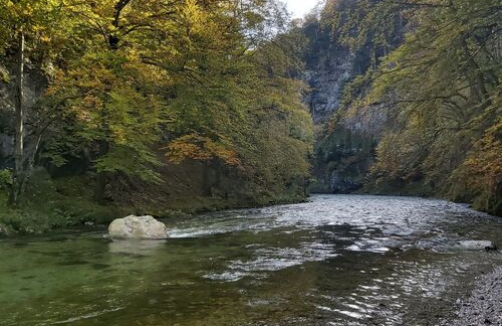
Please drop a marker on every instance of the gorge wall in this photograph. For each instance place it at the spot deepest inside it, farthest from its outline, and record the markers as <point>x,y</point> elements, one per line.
<point>397,111</point>
<point>347,132</point>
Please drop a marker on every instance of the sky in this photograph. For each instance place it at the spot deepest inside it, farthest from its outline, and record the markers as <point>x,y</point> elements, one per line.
<point>300,7</point>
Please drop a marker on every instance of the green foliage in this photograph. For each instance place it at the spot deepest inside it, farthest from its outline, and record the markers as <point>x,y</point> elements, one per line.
<point>444,83</point>
<point>54,204</point>
<point>342,152</point>
<point>129,81</point>
<point>135,160</point>
<point>435,68</point>
<point>242,110</point>
<point>46,25</point>
<point>5,179</point>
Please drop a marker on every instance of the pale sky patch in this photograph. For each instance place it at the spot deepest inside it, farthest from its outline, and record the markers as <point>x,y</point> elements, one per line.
<point>300,7</point>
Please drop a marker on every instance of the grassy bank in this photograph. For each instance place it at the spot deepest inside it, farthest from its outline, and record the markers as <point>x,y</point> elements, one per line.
<point>51,204</point>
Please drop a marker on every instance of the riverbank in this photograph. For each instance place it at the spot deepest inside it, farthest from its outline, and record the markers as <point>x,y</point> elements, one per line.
<point>484,307</point>
<point>77,212</point>
<point>52,205</point>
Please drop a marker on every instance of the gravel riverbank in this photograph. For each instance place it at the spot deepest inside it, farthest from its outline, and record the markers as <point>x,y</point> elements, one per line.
<point>484,307</point>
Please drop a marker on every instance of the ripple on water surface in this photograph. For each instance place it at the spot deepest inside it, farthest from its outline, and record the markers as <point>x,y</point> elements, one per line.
<point>336,260</point>
<point>273,259</point>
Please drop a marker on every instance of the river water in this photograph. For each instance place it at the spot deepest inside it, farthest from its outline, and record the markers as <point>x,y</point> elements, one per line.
<point>335,260</point>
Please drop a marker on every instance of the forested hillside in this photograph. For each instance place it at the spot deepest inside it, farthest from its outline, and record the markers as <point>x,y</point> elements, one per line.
<point>414,102</point>
<point>148,106</point>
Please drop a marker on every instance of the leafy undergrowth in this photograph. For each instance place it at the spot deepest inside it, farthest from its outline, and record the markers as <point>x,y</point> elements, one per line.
<point>51,204</point>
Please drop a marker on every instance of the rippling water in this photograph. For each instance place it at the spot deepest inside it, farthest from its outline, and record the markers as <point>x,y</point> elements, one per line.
<point>336,260</point>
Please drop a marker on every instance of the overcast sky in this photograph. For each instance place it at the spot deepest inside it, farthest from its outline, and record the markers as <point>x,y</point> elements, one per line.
<point>300,7</point>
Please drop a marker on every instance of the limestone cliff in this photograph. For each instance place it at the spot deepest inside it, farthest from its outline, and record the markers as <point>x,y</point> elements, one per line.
<point>347,131</point>
<point>327,78</point>
<point>34,85</point>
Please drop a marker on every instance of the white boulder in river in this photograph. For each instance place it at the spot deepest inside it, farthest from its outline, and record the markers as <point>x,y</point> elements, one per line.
<point>137,227</point>
<point>477,245</point>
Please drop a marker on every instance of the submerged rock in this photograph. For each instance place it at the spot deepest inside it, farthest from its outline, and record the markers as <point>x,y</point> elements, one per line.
<point>477,245</point>
<point>137,227</point>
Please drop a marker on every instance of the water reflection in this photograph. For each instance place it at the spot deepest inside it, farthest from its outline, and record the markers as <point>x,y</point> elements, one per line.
<point>135,247</point>
<point>337,260</point>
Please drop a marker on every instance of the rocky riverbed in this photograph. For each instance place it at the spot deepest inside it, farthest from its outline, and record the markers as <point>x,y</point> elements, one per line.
<point>484,307</point>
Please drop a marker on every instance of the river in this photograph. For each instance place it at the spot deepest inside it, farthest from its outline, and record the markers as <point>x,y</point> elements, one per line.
<point>335,260</point>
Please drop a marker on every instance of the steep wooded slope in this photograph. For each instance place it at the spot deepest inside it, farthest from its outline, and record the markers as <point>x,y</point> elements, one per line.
<point>422,113</point>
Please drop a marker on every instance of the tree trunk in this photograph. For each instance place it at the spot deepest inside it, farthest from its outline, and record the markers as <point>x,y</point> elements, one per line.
<point>218,169</point>
<point>19,173</point>
<point>104,144</point>
<point>206,181</point>
<point>102,178</point>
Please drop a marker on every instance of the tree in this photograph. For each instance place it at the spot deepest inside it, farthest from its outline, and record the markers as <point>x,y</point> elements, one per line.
<point>210,81</point>
<point>239,106</point>
<point>116,92</point>
<point>444,83</point>
<point>30,29</point>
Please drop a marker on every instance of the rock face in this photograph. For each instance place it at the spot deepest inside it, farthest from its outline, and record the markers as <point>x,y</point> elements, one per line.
<point>137,227</point>
<point>35,84</point>
<point>343,184</point>
<point>326,80</point>
<point>335,70</point>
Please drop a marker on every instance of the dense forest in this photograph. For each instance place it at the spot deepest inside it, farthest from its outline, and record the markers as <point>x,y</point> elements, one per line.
<point>149,106</point>
<point>163,107</point>
<point>417,98</point>
<point>228,162</point>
